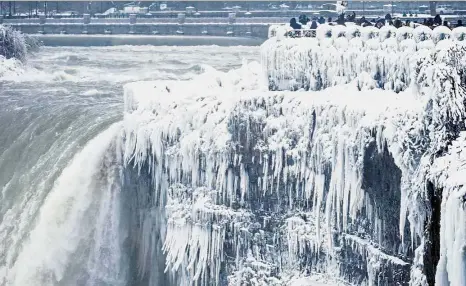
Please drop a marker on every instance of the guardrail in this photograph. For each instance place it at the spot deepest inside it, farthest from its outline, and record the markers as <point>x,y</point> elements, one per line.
<point>420,33</point>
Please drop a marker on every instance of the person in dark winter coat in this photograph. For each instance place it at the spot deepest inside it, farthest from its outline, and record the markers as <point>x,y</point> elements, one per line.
<point>303,19</point>
<point>295,25</point>
<point>437,20</point>
<point>341,20</point>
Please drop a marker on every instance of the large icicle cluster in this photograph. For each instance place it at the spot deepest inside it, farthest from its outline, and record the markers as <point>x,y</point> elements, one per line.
<point>256,185</point>
<point>259,183</point>
<point>449,173</point>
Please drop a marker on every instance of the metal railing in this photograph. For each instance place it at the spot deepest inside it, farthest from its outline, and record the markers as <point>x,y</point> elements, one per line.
<point>302,33</point>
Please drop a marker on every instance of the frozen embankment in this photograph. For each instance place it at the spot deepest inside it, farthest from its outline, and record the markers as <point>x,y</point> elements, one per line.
<point>354,180</point>
<point>14,47</point>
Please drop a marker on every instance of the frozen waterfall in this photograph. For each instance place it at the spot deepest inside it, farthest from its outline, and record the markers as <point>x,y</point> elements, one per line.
<point>258,187</point>
<point>337,160</point>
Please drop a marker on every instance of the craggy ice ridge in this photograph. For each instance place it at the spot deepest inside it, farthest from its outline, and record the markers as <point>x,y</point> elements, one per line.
<point>258,188</point>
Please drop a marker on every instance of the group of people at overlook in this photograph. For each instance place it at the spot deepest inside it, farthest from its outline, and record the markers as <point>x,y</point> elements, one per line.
<point>304,22</point>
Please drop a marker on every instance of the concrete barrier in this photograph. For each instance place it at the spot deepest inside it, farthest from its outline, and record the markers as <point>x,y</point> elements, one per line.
<point>42,19</point>
<point>237,30</point>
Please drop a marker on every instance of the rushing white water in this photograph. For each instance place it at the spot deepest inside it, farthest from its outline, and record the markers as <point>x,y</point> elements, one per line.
<point>59,173</point>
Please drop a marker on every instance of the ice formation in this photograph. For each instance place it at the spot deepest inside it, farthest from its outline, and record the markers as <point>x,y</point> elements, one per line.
<point>9,66</point>
<point>14,47</point>
<point>258,187</point>
<point>14,44</point>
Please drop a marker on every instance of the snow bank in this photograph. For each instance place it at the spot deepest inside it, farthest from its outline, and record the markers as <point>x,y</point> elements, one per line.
<point>14,44</point>
<point>14,47</point>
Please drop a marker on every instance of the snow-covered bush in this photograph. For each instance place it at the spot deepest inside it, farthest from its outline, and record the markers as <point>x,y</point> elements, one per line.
<point>404,33</point>
<point>422,33</point>
<point>441,33</point>
<point>14,44</point>
<point>459,33</point>
<point>353,32</point>
<point>387,32</point>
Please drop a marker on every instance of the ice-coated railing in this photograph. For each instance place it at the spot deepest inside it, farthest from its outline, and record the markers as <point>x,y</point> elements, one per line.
<point>439,33</point>
<point>339,54</point>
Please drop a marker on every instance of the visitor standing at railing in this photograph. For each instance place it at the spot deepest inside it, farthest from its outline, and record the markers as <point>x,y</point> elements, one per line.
<point>295,25</point>
<point>303,19</point>
<point>341,20</point>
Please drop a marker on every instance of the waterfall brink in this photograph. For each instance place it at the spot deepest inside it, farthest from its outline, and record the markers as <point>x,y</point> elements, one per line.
<point>99,225</point>
<point>82,208</point>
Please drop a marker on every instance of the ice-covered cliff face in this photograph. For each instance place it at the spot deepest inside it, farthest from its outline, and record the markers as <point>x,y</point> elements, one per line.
<point>353,180</point>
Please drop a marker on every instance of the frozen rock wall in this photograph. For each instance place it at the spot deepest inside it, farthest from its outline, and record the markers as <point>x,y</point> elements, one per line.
<point>256,185</point>
<point>352,180</point>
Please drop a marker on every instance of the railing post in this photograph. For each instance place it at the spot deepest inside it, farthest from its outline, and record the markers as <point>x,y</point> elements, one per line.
<point>181,18</point>
<point>132,19</point>
<point>231,18</point>
<point>433,8</point>
<point>42,19</point>
<point>86,19</point>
